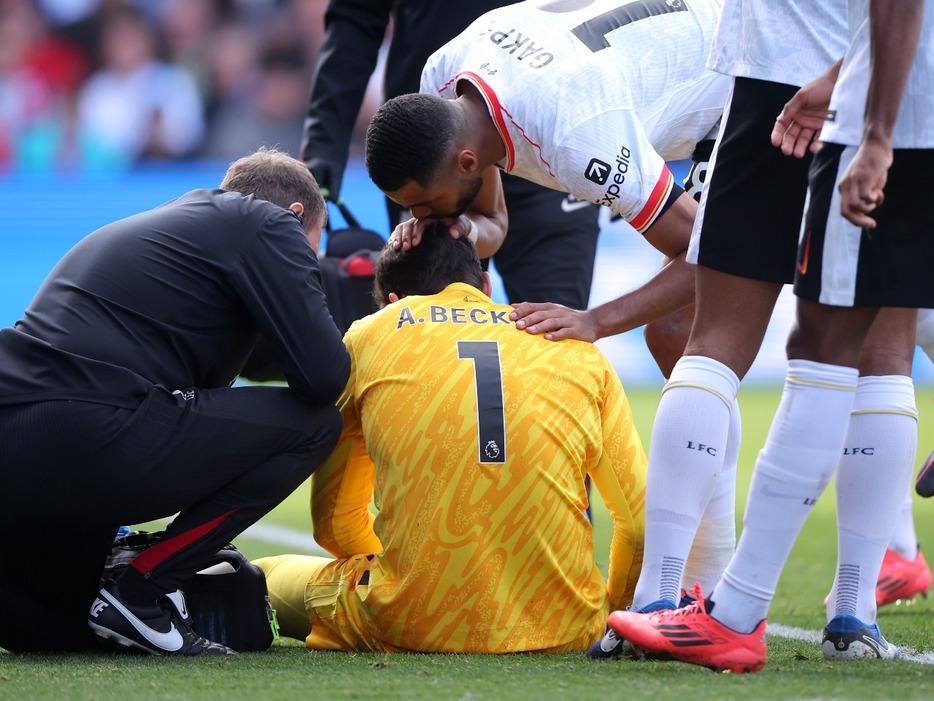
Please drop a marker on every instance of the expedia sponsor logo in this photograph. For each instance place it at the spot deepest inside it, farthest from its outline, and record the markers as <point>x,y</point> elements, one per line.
<point>601,173</point>
<point>597,171</point>
<point>522,47</point>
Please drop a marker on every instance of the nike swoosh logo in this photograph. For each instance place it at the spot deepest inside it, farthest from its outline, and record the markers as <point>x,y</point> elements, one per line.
<point>178,600</point>
<point>571,203</point>
<point>169,641</point>
<point>609,641</point>
<point>803,263</point>
<point>883,648</point>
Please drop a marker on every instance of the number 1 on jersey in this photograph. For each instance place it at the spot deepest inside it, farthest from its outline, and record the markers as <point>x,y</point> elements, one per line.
<point>491,414</point>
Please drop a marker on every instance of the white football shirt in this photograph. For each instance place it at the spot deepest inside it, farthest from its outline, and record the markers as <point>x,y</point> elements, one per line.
<point>788,41</point>
<point>915,125</point>
<point>592,98</point>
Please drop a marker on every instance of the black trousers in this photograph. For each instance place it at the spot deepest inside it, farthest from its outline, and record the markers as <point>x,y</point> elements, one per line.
<point>71,473</point>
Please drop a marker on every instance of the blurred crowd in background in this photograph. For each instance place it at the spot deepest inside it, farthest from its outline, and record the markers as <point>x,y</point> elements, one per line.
<point>94,85</point>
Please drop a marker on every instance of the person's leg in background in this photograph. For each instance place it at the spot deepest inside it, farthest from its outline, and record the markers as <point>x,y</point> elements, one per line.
<point>697,429</point>
<point>809,433</point>
<point>696,435</point>
<point>905,572</point>
<point>799,457</point>
<point>880,450</point>
<point>806,438</point>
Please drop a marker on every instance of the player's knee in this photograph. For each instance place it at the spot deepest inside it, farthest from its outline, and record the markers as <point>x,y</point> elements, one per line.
<point>666,338</point>
<point>323,428</point>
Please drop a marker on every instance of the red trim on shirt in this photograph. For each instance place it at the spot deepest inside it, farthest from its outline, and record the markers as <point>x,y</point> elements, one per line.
<point>154,556</point>
<point>496,112</point>
<point>660,192</point>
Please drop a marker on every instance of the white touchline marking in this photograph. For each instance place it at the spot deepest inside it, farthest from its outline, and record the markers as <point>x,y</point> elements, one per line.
<point>783,631</point>
<point>271,533</point>
<point>811,636</point>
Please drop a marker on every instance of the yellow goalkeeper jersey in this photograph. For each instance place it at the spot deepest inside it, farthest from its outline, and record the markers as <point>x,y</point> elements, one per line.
<point>472,439</point>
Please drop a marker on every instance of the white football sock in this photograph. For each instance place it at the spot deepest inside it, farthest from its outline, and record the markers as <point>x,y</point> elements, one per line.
<point>686,454</point>
<point>872,480</point>
<point>800,454</point>
<point>905,538</point>
<point>715,540</point>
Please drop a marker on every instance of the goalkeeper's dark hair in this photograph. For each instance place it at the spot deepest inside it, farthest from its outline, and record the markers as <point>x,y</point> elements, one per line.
<point>409,138</point>
<point>436,262</point>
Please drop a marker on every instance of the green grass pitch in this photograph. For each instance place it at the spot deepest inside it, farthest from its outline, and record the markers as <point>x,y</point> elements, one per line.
<point>796,668</point>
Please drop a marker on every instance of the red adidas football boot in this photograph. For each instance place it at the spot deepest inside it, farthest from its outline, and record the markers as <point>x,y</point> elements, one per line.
<point>692,635</point>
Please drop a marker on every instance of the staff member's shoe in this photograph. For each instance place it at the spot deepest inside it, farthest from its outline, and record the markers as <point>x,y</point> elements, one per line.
<point>158,629</point>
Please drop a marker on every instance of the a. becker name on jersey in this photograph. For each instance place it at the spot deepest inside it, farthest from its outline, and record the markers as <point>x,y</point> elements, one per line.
<point>438,314</point>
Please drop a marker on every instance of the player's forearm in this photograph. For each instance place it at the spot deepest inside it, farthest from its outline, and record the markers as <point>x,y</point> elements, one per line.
<point>351,535</point>
<point>488,213</point>
<point>625,564</point>
<point>625,557</point>
<point>671,289</point>
<point>620,479</point>
<point>341,492</point>
<point>490,232</point>
<point>895,29</point>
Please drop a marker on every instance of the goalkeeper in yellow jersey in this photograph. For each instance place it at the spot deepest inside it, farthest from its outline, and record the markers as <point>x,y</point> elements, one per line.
<point>472,440</point>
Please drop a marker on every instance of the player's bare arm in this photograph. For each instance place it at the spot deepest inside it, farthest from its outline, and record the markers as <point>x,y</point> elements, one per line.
<point>797,128</point>
<point>895,32</point>
<point>669,290</point>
